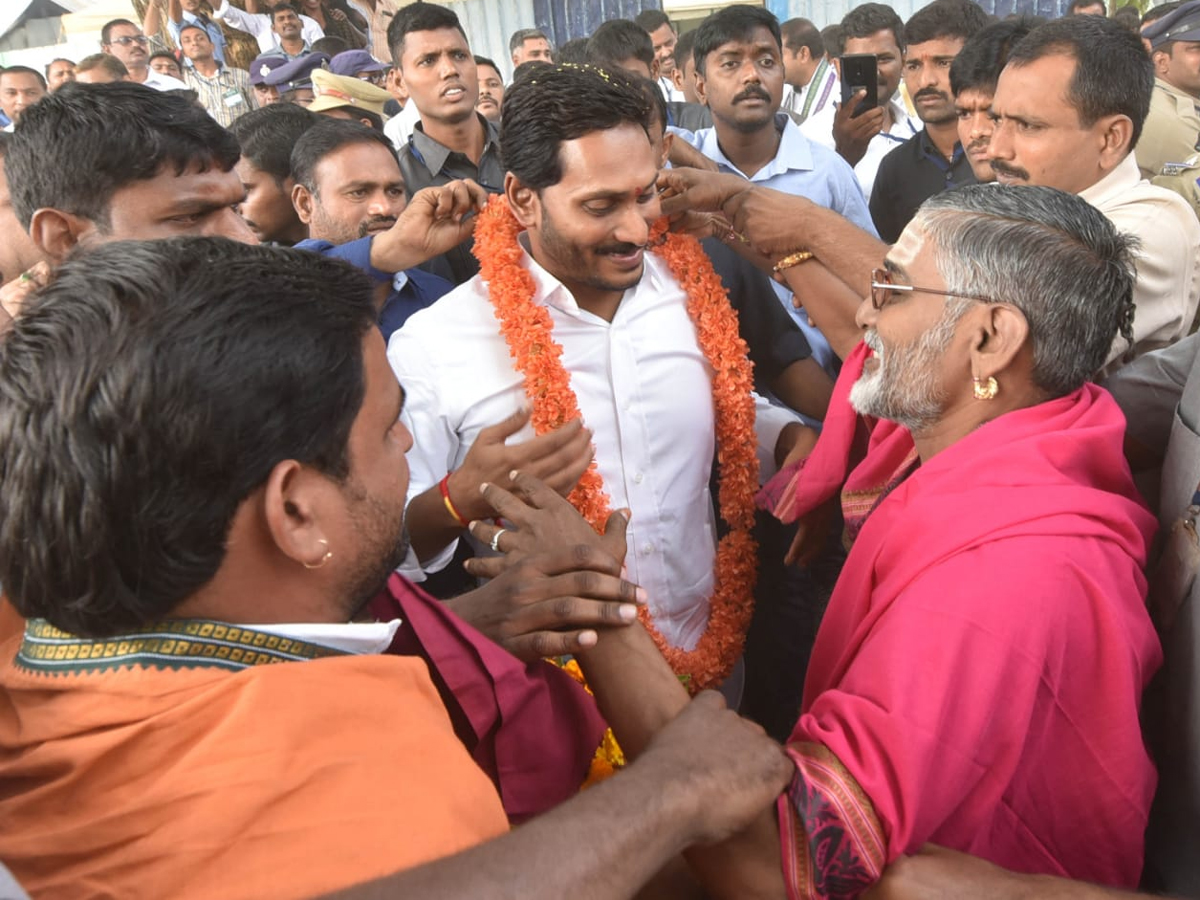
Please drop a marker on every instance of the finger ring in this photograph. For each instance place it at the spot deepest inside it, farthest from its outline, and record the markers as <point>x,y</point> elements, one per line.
<point>496,540</point>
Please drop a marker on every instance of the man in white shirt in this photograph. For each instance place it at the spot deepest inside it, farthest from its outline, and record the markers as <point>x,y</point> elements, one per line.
<point>864,140</point>
<point>582,183</point>
<point>281,30</point>
<point>664,37</point>
<point>811,87</point>
<point>1069,108</point>
<point>124,40</point>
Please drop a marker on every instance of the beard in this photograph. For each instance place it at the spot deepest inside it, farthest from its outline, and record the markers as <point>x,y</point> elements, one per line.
<point>579,263</point>
<point>904,387</point>
<point>382,543</point>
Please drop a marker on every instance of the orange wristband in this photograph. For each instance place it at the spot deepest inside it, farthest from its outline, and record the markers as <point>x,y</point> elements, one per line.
<point>444,487</point>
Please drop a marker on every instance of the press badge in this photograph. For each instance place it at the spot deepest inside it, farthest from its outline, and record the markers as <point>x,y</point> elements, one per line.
<point>233,97</point>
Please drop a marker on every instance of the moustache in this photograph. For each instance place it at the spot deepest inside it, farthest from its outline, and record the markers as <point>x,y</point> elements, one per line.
<point>752,93</point>
<point>367,225</point>
<point>1002,168</point>
<point>619,249</point>
<point>930,92</point>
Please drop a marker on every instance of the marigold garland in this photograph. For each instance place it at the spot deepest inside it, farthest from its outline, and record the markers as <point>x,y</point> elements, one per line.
<point>528,330</point>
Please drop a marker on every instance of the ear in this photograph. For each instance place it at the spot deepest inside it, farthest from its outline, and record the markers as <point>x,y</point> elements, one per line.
<point>655,69</point>
<point>997,336</point>
<point>667,144</point>
<point>677,78</point>
<point>293,498</point>
<point>1162,62</point>
<point>701,88</point>
<point>1116,134</point>
<point>303,201</point>
<point>56,233</point>
<point>523,200</point>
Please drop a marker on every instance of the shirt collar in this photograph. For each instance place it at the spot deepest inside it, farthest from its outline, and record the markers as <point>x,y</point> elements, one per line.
<point>1185,104</point>
<point>932,152</point>
<point>349,637</point>
<point>435,153</point>
<point>795,152</point>
<point>1116,182</point>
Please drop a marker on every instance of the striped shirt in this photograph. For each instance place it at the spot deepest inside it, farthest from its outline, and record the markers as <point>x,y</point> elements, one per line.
<point>226,95</point>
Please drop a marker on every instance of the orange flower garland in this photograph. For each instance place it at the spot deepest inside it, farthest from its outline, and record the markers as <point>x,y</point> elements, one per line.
<point>528,330</point>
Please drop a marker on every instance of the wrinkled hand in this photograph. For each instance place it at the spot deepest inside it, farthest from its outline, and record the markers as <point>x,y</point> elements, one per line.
<point>558,458</point>
<point>14,295</point>
<point>728,766</point>
<point>435,220</point>
<point>539,520</point>
<point>772,221</point>
<point>550,604</point>
<point>695,190</point>
<point>936,873</point>
<point>852,134</point>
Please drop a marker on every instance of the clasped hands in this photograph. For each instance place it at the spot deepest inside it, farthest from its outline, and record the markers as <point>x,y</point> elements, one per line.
<point>557,585</point>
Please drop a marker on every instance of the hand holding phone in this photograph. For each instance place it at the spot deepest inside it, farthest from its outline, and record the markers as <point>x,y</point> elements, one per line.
<point>860,73</point>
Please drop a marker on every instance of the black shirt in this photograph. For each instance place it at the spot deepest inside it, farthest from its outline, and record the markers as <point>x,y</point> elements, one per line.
<point>910,175</point>
<point>426,163</point>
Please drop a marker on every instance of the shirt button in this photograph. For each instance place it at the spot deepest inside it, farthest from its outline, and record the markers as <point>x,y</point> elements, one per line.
<point>637,479</point>
<point>647,548</point>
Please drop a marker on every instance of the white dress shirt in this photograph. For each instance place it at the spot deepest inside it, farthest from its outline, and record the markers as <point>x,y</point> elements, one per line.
<point>1167,289</point>
<point>161,82</point>
<point>259,25</point>
<point>904,126</point>
<point>644,388</point>
<point>350,637</point>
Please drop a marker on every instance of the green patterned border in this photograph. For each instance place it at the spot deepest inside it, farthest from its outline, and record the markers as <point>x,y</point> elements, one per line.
<point>177,644</point>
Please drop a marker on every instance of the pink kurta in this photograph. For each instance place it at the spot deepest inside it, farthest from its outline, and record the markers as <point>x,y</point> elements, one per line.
<point>979,669</point>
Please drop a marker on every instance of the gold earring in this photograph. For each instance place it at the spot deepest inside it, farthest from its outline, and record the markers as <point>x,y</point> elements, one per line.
<point>985,390</point>
<point>324,559</point>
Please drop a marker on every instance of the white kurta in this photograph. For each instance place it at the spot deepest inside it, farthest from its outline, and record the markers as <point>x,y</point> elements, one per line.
<point>644,388</point>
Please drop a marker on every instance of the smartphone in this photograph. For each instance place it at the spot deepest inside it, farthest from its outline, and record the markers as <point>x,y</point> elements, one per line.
<point>860,72</point>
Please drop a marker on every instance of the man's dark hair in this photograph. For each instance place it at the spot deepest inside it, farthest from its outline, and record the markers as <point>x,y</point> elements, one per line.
<point>528,66</point>
<point>618,40</point>
<point>560,103</point>
<point>144,399</point>
<point>834,38</point>
<point>733,23</point>
<point>652,19</point>
<point>683,49</point>
<point>167,54</point>
<point>69,156</point>
<point>799,33</point>
<point>1154,13</point>
<point>484,61</point>
<point>522,35</point>
<point>981,60</point>
<point>331,45</point>
<point>106,30</point>
<point>59,59</point>
<point>573,51</point>
<point>268,135</point>
<point>864,21</point>
<point>945,19</point>
<point>1075,5</point>
<point>25,70</point>
<point>328,136</point>
<point>277,8</point>
<point>1113,73</point>
<point>653,96</point>
<point>1128,16</point>
<point>419,17</point>
<point>105,61</point>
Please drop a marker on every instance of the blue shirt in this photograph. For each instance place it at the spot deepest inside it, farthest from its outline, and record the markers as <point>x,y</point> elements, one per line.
<point>412,289</point>
<point>214,34</point>
<point>809,170</point>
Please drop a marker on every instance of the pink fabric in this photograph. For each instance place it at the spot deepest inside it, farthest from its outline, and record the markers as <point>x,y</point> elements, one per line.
<point>532,728</point>
<point>980,666</point>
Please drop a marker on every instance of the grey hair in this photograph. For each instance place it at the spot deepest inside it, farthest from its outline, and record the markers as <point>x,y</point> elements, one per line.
<point>1052,255</point>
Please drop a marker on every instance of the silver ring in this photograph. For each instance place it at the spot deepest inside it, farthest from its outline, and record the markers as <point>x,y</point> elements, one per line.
<point>496,540</point>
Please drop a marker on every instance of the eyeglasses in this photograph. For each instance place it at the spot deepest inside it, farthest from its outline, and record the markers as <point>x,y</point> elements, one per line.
<point>376,78</point>
<point>127,40</point>
<point>884,289</point>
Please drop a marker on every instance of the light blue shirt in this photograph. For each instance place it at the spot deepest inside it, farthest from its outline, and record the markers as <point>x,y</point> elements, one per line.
<point>214,34</point>
<point>805,169</point>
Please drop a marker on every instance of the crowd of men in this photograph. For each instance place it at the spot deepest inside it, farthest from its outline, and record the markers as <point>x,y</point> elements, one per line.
<point>825,398</point>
